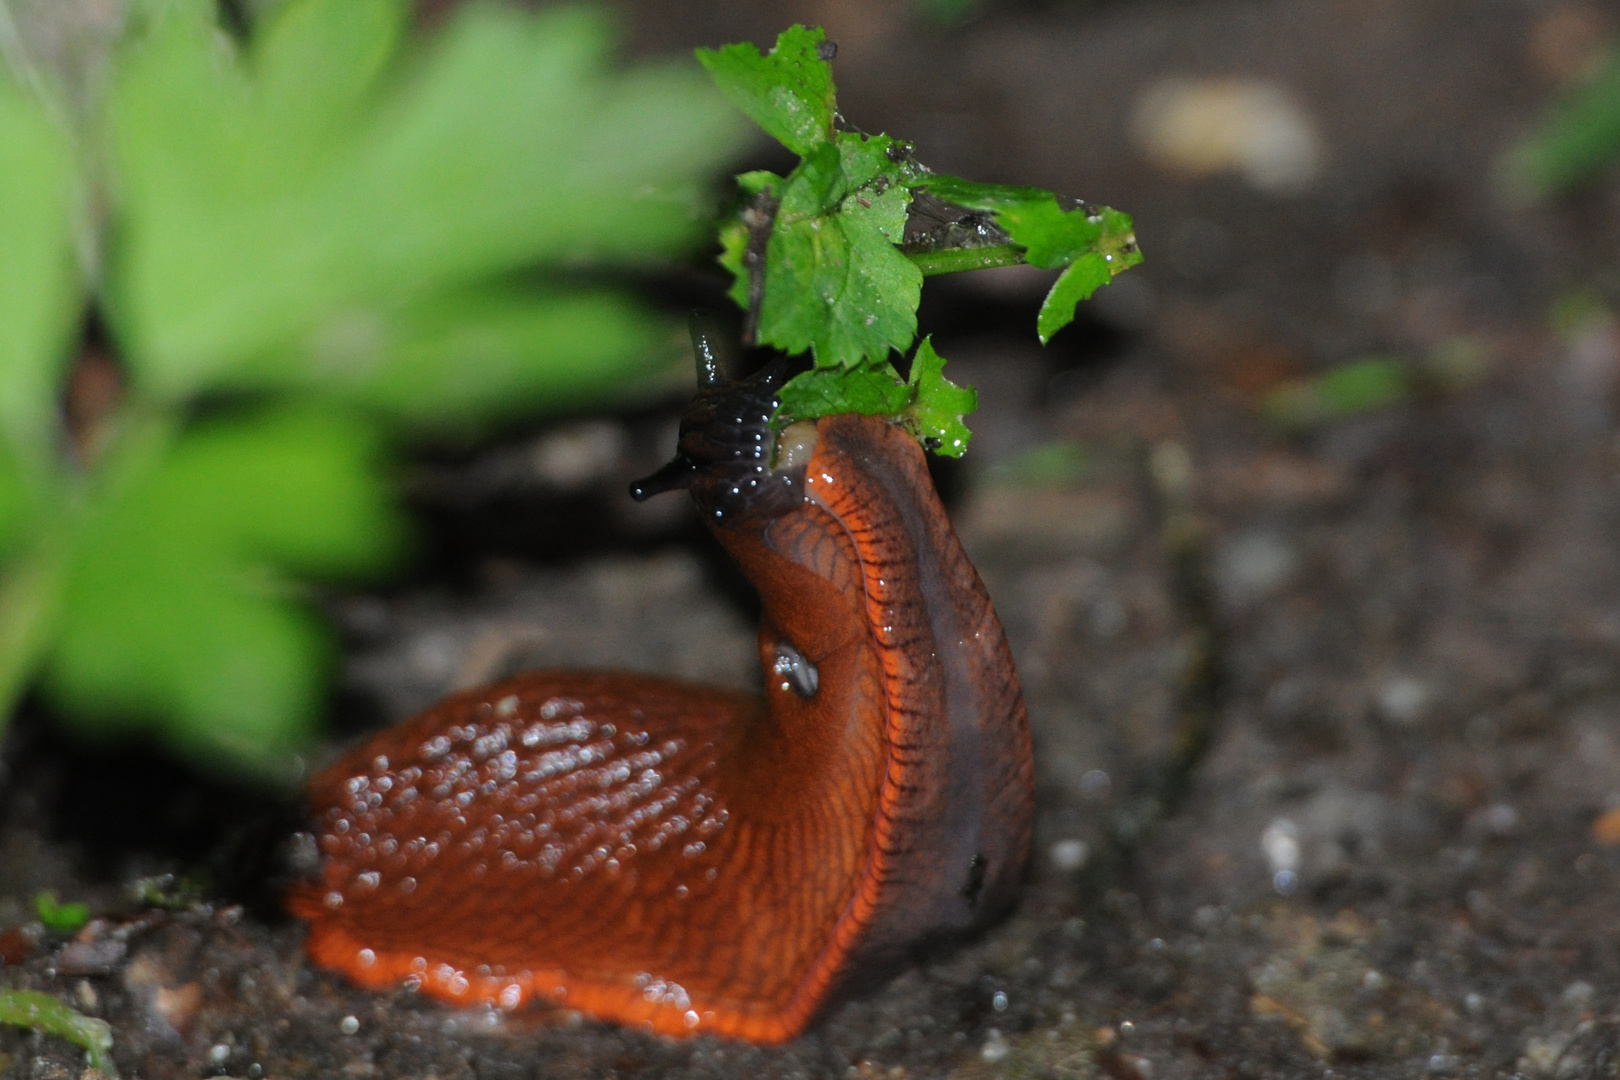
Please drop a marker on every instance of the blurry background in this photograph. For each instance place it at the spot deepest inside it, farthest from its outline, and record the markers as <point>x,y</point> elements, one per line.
<point>1361,389</point>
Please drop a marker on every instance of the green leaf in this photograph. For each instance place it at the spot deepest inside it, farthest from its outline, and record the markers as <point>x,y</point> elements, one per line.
<point>834,281</point>
<point>870,391</point>
<point>875,162</point>
<point>1578,140</point>
<point>253,212</point>
<point>459,360</point>
<point>20,498</point>
<point>178,610</point>
<point>59,917</point>
<point>788,91</point>
<point>1350,390</point>
<point>315,67</point>
<point>41,1012</point>
<point>1093,242</point>
<point>935,415</point>
<point>41,296</point>
<point>1083,277</point>
<point>734,237</point>
<point>738,234</point>
<point>930,405</point>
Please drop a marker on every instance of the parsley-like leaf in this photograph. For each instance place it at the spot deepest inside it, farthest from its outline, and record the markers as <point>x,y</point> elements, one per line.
<point>788,91</point>
<point>939,405</point>
<point>822,261</point>
<point>834,282</point>
<point>1093,242</point>
<point>870,391</point>
<point>930,405</point>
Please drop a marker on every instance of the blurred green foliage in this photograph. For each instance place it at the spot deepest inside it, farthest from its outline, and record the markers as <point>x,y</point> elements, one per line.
<point>1579,139</point>
<point>58,917</point>
<point>1373,383</point>
<point>43,1013</point>
<point>825,259</point>
<point>300,248</point>
<point>1349,390</point>
<point>1056,464</point>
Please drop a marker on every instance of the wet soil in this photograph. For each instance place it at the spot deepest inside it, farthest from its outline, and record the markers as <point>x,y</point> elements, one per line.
<point>1388,859</point>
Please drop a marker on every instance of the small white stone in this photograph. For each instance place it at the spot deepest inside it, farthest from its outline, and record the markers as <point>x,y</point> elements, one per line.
<point>1501,819</point>
<point>1280,843</point>
<point>1254,127</point>
<point>349,1025</point>
<point>995,1048</point>
<point>1578,994</point>
<point>1253,566</point>
<point>576,455</point>
<point>1068,855</point>
<point>1403,699</point>
<point>1541,1055</point>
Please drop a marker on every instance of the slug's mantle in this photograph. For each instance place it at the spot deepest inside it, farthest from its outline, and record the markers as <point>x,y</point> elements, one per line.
<point>691,859</point>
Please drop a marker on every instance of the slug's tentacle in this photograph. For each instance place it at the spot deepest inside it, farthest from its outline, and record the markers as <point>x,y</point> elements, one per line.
<point>711,372</point>
<point>691,859</point>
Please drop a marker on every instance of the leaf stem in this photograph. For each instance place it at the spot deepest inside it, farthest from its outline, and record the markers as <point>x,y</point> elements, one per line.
<point>955,260</point>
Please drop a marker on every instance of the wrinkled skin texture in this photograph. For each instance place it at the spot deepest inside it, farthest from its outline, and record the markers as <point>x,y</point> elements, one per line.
<point>694,860</point>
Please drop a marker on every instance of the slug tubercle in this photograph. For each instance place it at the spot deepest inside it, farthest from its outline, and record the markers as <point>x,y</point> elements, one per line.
<point>691,859</point>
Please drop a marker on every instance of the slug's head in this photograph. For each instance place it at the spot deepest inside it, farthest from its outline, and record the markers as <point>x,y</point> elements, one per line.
<point>728,457</point>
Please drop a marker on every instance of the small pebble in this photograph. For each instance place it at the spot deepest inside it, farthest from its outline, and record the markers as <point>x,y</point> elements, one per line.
<point>91,957</point>
<point>1578,994</point>
<point>1501,819</point>
<point>1068,855</point>
<point>1403,700</point>
<point>1254,127</point>
<point>1253,566</point>
<point>1095,785</point>
<point>349,1025</point>
<point>995,1048</point>
<point>86,996</point>
<point>1280,843</point>
<point>577,455</point>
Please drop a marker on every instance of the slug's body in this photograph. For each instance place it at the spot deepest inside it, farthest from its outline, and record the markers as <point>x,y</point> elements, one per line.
<point>694,860</point>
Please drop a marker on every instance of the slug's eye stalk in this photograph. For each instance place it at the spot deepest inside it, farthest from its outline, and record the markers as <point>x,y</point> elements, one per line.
<point>676,474</point>
<point>724,456</point>
<point>710,371</point>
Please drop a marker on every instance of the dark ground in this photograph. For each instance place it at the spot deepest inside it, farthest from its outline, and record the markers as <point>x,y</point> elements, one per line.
<point>1385,864</point>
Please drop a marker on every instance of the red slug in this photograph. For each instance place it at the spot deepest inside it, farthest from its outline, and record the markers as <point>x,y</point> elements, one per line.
<point>691,859</point>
